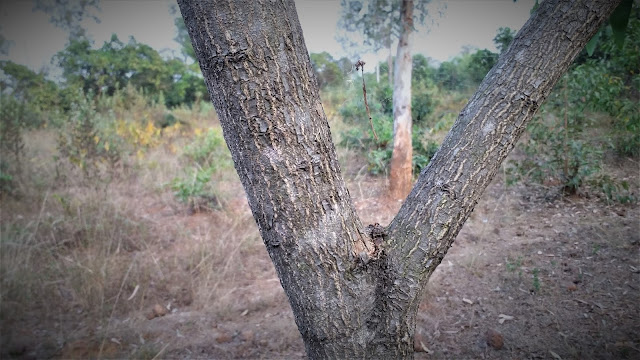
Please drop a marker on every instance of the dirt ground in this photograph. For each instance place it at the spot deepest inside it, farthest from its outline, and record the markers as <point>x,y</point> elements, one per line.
<point>535,275</point>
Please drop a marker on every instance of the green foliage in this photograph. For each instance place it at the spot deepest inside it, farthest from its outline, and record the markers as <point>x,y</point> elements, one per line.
<point>84,143</point>
<point>465,72</point>
<point>423,150</point>
<point>560,153</point>
<point>12,113</point>
<point>207,155</point>
<point>536,280</point>
<point>39,96</point>
<point>556,153</point>
<point>563,152</point>
<point>479,64</point>
<point>503,38</point>
<point>116,65</point>
<point>614,190</point>
<point>379,151</point>
<point>208,149</point>
<point>423,90</point>
<point>327,71</point>
<point>193,185</point>
<point>609,82</point>
<point>182,38</point>
<point>12,125</point>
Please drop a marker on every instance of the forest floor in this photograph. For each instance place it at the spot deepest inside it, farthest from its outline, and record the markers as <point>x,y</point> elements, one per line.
<point>533,274</point>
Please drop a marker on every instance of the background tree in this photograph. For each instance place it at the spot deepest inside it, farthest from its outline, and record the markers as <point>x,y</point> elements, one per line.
<point>327,70</point>
<point>401,166</point>
<point>378,24</point>
<point>381,23</point>
<point>69,14</point>
<point>504,38</point>
<point>354,290</point>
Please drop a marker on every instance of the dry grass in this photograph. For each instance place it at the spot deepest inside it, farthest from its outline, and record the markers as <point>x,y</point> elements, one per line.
<point>84,254</point>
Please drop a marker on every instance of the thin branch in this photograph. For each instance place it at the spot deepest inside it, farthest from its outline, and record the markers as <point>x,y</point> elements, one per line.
<point>360,66</point>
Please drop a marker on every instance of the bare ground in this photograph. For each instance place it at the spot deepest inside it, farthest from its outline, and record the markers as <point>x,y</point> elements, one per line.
<point>551,277</point>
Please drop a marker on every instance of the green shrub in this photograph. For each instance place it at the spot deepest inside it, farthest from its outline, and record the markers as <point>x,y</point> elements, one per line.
<point>85,140</point>
<point>12,124</point>
<point>208,149</point>
<point>193,185</point>
<point>207,155</point>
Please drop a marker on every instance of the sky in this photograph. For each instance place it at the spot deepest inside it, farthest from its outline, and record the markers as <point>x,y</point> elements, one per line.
<point>473,23</point>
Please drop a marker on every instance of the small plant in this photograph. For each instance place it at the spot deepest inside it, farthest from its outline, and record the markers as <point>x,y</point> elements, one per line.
<point>208,149</point>
<point>595,248</point>
<point>512,265</point>
<point>207,154</point>
<point>536,280</point>
<point>194,186</point>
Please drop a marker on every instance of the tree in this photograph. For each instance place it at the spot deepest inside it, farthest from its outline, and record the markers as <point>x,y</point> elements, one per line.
<point>69,14</point>
<point>378,24</point>
<point>383,21</point>
<point>326,70</point>
<point>401,166</point>
<point>503,38</point>
<point>355,290</point>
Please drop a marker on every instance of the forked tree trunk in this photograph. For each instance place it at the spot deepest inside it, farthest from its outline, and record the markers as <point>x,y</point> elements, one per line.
<point>401,159</point>
<point>354,291</point>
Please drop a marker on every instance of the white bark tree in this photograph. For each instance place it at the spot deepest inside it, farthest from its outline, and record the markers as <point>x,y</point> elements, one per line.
<point>401,167</point>
<point>380,24</point>
<point>355,290</point>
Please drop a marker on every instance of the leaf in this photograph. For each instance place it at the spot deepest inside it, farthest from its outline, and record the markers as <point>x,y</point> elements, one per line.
<point>591,45</point>
<point>619,20</point>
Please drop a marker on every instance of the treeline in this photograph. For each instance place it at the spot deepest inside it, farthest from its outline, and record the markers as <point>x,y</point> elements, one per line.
<point>101,72</point>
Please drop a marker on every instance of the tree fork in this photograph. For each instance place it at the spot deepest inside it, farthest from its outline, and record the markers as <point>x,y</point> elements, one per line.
<point>354,291</point>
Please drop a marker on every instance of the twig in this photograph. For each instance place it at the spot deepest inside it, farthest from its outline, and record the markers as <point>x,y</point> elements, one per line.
<point>360,66</point>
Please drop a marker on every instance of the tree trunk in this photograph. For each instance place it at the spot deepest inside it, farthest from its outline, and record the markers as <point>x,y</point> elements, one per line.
<point>401,158</point>
<point>354,291</point>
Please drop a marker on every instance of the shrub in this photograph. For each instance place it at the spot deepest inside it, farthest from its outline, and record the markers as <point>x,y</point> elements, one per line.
<point>84,144</point>
<point>12,125</point>
<point>207,155</point>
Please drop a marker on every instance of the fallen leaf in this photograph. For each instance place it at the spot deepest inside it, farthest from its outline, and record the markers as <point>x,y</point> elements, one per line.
<point>555,356</point>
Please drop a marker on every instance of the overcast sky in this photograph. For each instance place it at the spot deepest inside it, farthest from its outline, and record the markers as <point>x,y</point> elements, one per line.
<point>463,23</point>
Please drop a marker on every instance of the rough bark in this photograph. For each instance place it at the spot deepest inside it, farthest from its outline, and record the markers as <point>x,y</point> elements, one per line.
<point>401,159</point>
<point>354,291</point>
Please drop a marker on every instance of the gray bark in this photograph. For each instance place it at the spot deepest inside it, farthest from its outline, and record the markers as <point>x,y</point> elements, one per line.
<point>354,291</point>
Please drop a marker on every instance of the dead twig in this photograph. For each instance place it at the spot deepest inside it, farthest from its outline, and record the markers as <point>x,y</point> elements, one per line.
<point>360,66</point>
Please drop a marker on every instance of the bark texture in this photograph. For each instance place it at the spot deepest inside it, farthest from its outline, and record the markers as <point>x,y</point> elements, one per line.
<point>400,179</point>
<point>354,291</point>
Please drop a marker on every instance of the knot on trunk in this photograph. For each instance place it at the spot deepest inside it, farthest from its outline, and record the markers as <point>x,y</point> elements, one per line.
<point>377,233</point>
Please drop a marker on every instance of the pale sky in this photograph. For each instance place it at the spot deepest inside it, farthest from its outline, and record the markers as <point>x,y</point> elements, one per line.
<point>464,22</point>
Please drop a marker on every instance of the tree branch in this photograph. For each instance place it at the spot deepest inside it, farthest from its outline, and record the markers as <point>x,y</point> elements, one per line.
<point>486,130</point>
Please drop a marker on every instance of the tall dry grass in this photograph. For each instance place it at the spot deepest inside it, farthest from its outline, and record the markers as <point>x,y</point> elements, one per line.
<point>87,254</point>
